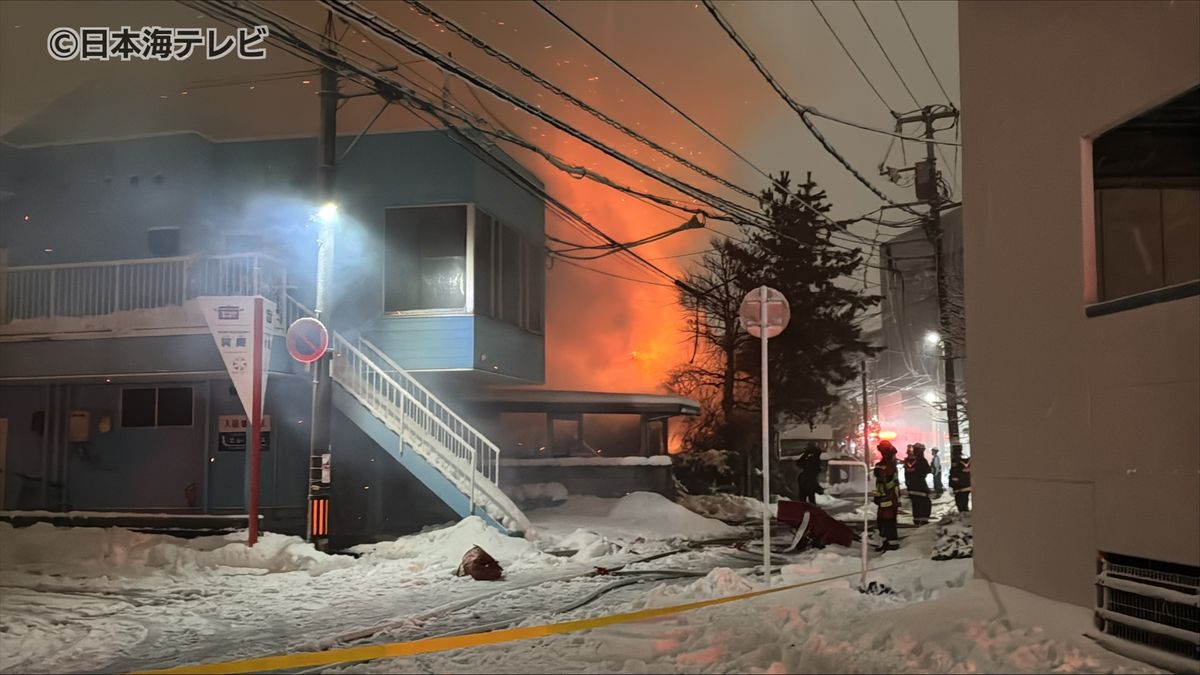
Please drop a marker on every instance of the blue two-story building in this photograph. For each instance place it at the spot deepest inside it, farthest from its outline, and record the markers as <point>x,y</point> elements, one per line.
<point>113,396</point>
<point>113,393</point>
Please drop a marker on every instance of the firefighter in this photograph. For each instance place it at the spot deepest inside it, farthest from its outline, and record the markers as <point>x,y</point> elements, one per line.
<point>960,478</point>
<point>810,471</point>
<point>916,469</point>
<point>887,497</point>
<point>935,465</point>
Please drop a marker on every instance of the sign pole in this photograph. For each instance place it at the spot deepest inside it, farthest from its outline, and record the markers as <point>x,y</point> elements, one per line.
<point>766,447</point>
<point>256,421</point>
<point>866,473</point>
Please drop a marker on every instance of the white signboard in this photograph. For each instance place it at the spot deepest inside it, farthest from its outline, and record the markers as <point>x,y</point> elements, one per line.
<point>233,430</point>
<point>231,320</point>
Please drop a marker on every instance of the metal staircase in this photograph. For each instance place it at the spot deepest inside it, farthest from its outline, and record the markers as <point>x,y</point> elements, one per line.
<point>452,458</point>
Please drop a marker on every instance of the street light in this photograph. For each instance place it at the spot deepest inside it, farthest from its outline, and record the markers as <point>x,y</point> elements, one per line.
<point>932,338</point>
<point>930,397</point>
<point>328,213</point>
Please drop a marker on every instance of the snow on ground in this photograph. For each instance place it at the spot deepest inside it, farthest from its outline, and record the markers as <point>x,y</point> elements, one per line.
<point>636,518</point>
<point>954,539</point>
<point>726,507</point>
<point>91,599</point>
<point>444,548</point>
<point>107,599</point>
<point>47,549</point>
<point>935,619</point>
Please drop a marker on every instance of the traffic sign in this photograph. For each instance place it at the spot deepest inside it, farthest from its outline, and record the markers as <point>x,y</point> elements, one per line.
<point>307,340</point>
<point>778,311</point>
<point>764,313</point>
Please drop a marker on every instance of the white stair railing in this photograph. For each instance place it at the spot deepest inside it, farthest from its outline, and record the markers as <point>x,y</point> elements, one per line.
<point>456,449</point>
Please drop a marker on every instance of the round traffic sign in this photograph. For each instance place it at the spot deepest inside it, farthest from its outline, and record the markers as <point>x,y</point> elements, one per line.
<point>307,340</point>
<point>778,311</point>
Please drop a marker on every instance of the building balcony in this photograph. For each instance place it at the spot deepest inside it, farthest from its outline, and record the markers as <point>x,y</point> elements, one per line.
<point>126,298</point>
<point>128,320</point>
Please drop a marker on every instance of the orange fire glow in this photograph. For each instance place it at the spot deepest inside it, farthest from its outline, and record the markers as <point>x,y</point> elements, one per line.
<point>606,333</point>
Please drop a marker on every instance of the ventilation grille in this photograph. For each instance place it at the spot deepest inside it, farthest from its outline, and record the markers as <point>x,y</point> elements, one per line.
<point>1149,602</point>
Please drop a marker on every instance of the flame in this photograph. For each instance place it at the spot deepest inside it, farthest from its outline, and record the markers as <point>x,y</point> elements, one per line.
<point>675,442</point>
<point>605,333</point>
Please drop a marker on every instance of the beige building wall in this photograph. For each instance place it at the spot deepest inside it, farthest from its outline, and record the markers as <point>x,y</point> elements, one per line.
<point>1085,431</point>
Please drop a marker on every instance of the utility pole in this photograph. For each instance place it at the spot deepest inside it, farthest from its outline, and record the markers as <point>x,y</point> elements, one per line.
<point>928,192</point>
<point>322,403</point>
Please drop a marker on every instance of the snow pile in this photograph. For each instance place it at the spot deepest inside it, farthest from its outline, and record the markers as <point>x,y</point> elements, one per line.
<point>272,553</point>
<point>445,548</point>
<point>81,550</point>
<point>953,537</point>
<point>718,583</point>
<point>636,517</point>
<point>730,508</point>
<point>587,545</point>
<point>535,495</point>
<point>648,512</point>
<point>94,551</point>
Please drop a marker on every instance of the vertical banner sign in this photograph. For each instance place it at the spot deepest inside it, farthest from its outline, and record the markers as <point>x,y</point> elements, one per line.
<point>238,324</point>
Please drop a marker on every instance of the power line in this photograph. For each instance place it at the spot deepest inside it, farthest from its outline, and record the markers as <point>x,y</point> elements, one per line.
<point>360,14</point>
<point>389,90</point>
<point>617,276</point>
<point>556,207</point>
<point>649,88</point>
<point>885,54</point>
<point>850,56</point>
<point>802,111</point>
<point>920,49</point>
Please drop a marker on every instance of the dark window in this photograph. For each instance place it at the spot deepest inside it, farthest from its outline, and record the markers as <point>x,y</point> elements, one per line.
<point>175,407</point>
<point>137,407</point>
<point>162,407</point>
<point>1147,181</point>
<point>612,435</point>
<point>425,264</point>
<point>485,247</point>
<point>565,438</point>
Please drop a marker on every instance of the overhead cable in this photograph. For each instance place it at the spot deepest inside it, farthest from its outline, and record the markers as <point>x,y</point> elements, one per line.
<point>920,49</point>
<point>886,56</point>
<point>802,111</point>
<point>851,57</point>
<point>649,88</point>
<point>357,12</point>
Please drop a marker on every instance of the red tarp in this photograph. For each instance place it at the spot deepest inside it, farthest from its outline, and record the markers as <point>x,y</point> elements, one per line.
<point>822,527</point>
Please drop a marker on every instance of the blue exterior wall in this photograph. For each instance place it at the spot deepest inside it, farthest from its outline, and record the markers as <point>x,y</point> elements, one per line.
<point>149,468</point>
<point>104,357</point>
<point>95,201</point>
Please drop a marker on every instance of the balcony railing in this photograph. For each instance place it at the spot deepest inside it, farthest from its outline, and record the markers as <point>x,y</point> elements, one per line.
<point>59,293</point>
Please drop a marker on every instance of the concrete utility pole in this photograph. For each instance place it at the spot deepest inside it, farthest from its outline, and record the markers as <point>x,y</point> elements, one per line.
<point>928,192</point>
<point>322,405</point>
